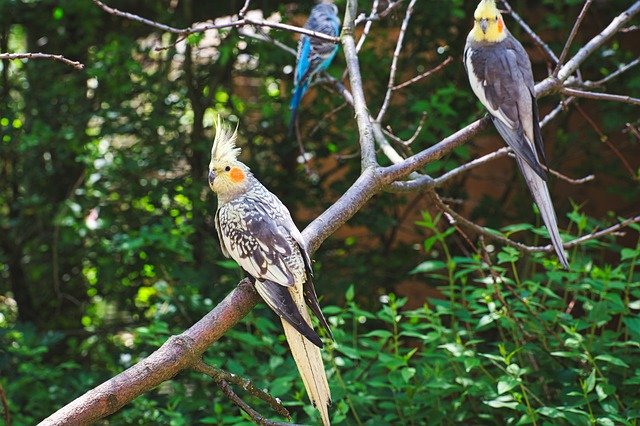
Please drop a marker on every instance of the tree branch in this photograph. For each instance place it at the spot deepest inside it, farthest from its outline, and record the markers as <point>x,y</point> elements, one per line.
<point>572,35</point>
<point>222,379</point>
<point>355,78</point>
<point>601,96</point>
<point>202,28</point>
<point>394,61</point>
<point>13,56</point>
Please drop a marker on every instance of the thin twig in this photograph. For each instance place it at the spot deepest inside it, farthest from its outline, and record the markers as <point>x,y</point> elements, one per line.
<point>562,106</point>
<point>585,51</point>
<point>13,56</point>
<point>616,73</point>
<point>424,74</point>
<point>244,9</point>
<point>262,36</point>
<point>523,247</point>
<point>572,181</point>
<point>202,28</point>
<point>527,29</point>
<point>324,118</point>
<point>219,375</point>
<point>572,35</point>
<point>413,138</point>
<point>604,138</point>
<point>367,26</point>
<point>394,61</point>
<point>601,96</point>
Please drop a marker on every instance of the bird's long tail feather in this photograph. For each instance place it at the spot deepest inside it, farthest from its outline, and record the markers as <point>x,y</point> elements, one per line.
<point>298,93</point>
<point>540,193</point>
<point>309,361</point>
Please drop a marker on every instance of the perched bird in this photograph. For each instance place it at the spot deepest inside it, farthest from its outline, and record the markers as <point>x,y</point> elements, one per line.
<point>256,230</point>
<point>314,54</point>
<point>500,75</point>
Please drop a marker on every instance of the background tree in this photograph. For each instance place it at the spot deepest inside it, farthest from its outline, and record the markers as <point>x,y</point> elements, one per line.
<point>108,246</point>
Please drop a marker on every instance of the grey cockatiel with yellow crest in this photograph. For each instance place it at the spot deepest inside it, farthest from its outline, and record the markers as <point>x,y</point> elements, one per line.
<point>500,75</point>
<point>256,230</point>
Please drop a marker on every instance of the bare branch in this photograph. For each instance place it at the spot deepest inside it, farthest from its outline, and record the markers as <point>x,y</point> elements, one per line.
<point>13,56</point>
<point>262,36</point>
<point>367,26</point>
<point>562,106</point>
<point>202,28</point>
<point>616,73</point>
<point>605,139</point>
<point>572,181</point>
<point>223,378</point>
<point>523,247</point>
<point>424,74</point>
<point>355,78</point>
<point>394,61</point>
<point>572,35</point>
<point>601,96</point>
<point>244,9</point>
<point>572,65</point>
<point>527,29</point>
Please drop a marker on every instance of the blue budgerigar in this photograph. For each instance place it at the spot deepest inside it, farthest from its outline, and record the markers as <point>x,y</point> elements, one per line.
<point>314,54</point>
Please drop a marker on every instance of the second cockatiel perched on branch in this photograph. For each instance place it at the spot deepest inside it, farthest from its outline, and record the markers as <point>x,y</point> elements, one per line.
<point>500,75</point>
<point>256,230</point>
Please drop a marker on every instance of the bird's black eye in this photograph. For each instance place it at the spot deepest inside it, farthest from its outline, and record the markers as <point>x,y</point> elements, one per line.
<point>496,18</point>
<point>226,169</point>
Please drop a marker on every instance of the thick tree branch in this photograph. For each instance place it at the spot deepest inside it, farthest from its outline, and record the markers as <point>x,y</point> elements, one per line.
<point>13,56</point>
<point>355,78</point>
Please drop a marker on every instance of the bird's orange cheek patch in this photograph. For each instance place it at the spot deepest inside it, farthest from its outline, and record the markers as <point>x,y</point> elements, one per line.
<point>237,175</point>
<point>500,24</point>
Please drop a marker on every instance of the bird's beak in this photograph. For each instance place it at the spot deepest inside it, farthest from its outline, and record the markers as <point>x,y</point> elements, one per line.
<point>212,177</point>
<point>484,24</point>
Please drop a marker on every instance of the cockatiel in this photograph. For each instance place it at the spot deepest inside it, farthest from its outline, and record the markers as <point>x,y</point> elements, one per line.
<point>256,230</point>
<point>314,54</point>
<point>500,75</point>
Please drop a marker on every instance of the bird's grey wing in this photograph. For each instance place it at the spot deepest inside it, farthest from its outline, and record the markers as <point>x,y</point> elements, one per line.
<point>279,299</point>
<point>509,100</point>
<point>255,241</point>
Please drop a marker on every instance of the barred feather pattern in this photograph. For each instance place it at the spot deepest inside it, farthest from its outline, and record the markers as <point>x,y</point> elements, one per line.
<point>257,231</point>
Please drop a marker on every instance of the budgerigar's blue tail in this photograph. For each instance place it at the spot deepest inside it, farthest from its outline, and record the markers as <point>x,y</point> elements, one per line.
<point>294,105</point>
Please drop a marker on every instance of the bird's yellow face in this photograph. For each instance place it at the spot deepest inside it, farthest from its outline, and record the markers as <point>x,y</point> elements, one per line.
<point>488,25</point>
<point>227,177</point>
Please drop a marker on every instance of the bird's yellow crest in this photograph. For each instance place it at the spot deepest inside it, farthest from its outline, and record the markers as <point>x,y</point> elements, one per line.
<point>227,175</point>
<point>224,147</point>
<point>488,25</point>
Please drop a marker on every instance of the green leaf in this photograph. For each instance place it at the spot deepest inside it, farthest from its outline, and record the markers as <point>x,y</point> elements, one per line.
<point>612,360</point>
<point>506,384</point>
<point>429,266</point>
<point>590,382</point>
